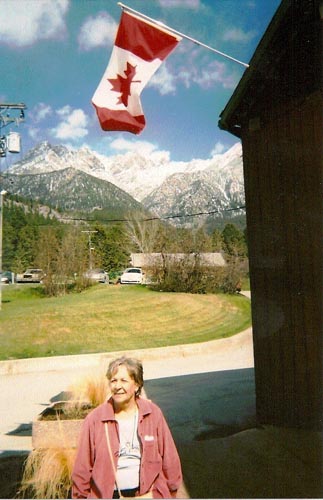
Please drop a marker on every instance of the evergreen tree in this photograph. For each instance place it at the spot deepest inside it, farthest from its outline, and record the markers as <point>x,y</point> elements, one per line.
<point>111,247</point>
<point>26,250</point>
<point>21,225</point>
<point>217,241</point>
<point>234,242</point>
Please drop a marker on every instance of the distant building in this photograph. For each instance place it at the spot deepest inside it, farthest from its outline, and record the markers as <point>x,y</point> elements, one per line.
<point>146,260</point>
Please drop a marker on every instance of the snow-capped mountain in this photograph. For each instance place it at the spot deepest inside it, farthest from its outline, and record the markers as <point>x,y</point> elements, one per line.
<point>140,176</point>
<point>45,158</point>
<point>204,192</point>
<point>132,172</point>
<point>163,186</point>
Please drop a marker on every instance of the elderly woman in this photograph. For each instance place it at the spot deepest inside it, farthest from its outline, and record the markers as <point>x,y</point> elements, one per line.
<point>126,448</point>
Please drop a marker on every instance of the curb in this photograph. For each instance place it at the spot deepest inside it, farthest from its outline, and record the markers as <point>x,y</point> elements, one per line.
<point>57,363</point>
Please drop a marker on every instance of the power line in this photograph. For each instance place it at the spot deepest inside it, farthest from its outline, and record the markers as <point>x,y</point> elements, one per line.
<point>148,219</point>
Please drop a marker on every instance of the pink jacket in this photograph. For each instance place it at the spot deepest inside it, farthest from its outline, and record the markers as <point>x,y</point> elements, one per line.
<point>160,464</point>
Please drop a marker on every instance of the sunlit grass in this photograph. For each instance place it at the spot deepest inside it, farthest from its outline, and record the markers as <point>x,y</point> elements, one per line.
<point>111,318</point>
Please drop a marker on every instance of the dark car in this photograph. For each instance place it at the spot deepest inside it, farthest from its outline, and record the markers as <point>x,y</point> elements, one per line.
<point>7,277</point>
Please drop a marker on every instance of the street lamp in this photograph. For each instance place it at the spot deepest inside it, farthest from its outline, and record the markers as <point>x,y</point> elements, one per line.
<point>2,194</point>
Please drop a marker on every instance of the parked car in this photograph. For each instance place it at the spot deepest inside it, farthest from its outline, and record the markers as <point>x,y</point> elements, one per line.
<point>7,277</point>
<point>132,275</point>
<point>31,276</point>
<point>99,275</point>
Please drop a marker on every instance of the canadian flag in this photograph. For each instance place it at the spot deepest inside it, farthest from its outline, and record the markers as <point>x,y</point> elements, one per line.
<point>139,49</point>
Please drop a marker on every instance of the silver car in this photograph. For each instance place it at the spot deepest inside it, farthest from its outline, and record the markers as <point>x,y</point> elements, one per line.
<point>99,275</point>
<point>31,276</point>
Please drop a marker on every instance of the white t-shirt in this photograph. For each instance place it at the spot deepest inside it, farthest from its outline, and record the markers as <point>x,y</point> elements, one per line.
<point>129,453</point>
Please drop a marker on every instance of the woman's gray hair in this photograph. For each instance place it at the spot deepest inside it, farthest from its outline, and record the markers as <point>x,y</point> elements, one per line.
<point>134,367</point>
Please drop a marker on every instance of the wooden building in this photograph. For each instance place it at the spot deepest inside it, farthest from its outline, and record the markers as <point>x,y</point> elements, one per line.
<point>276,110</point>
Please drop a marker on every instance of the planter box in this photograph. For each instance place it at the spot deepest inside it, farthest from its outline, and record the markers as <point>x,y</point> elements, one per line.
<point>57,432</point>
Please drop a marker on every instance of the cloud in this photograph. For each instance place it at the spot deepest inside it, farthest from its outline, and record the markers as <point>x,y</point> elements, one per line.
<point>34,133</point>
<point>218,149</point>
<point>64,111</point>
<point>24,23</point>
<point>200,71</point>
<point>144,148</point>
<point>73,125</point>
<point>41,111</point>
<point>238,35</point>
<point>163,81</point>
<point>197,66</point>
<point>125,145</point>
<point>98,31</point>
<point>214,73</point>
<point>206,74</point>
<point>186,4</point>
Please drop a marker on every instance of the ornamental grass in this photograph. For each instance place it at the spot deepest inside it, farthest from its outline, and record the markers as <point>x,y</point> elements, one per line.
<point>47,473</point>
<point>92,389</point>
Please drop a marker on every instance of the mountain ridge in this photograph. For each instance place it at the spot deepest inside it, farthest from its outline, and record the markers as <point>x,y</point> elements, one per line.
<point>70,189</point>
<point>162,186</point>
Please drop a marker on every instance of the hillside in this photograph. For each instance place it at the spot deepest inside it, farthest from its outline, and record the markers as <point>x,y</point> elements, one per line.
<point>72,190</point>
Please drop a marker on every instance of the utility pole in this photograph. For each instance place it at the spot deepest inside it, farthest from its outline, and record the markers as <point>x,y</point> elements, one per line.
<point>90,247</point>
<point>2,194</point>
<point>10,113</point>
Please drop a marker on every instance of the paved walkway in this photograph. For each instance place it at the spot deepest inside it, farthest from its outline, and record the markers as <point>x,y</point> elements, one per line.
<point>207,395</point>
<point>26,389</point>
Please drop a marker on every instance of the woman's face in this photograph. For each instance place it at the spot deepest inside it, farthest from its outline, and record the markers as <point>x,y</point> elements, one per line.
<point>123,387</point>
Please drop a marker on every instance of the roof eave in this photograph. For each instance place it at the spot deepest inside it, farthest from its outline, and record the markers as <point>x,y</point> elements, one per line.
<point>257,61</point>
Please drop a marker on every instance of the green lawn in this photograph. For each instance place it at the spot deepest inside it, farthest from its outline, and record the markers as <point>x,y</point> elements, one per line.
<point>112,318</point>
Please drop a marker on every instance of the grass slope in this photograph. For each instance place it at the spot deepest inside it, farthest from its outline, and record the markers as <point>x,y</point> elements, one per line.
<point>111,318</point>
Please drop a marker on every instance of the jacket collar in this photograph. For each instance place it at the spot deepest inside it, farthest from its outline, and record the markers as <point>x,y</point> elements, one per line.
<point>107,411</point>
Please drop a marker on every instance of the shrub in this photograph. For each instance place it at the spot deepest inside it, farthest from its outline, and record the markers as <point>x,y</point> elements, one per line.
<point>47,473</point>
<point>55,285</point>
<point>179,275</point>
<point>188,275</point>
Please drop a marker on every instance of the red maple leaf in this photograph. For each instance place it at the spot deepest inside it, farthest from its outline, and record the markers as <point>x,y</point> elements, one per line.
<point>122,84</point>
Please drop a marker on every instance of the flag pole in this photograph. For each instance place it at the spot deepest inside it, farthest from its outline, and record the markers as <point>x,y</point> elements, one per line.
<point>197,42</point>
